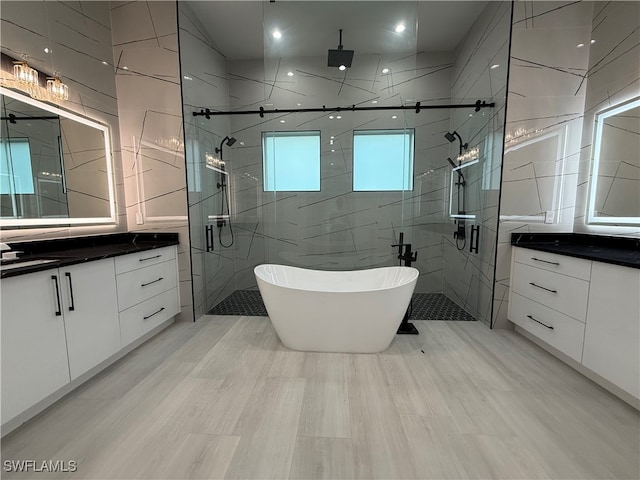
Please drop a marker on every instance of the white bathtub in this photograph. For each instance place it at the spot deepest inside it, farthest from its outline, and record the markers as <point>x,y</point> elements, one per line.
<point>327,311</point>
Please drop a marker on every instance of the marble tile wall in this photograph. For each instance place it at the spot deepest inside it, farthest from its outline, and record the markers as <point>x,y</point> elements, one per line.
<point>78,35</point>
<point>555,88</point>
<point>146,61</point>
<point>337,228</point>
<point>468,277</point>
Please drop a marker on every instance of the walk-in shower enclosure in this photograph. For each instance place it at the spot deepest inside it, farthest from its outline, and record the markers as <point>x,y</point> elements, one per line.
<point>333,189</point>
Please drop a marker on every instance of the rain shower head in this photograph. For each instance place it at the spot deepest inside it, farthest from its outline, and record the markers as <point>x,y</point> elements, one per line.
<point>452,138</point>
<point>229,142</point>
<point>340,57</point>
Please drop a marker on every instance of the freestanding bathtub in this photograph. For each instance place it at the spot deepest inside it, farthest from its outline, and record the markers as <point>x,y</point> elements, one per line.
<point>330,311</point>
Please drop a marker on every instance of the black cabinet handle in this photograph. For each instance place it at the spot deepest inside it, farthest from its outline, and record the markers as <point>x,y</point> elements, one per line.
<point>154,313</point>
<point>149,258</point>
<point>538,321</point>
<point>545,261</point>
<point>543,288</point>
<point>72,306</point>
<point>475,237</point>
<point>55,280</point>
<point>149,283</point>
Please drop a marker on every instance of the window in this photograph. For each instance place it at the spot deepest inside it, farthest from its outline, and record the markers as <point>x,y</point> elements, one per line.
<point>15,167</point>
<point>383,160</point>
<point>291,161</point>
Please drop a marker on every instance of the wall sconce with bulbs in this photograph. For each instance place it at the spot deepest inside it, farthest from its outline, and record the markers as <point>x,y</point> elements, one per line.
<point>56,88</point>
<point>26,76</point>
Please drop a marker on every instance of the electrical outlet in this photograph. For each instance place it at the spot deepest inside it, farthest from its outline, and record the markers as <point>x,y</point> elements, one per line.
<point>548,216</point>
<point>139,219</point>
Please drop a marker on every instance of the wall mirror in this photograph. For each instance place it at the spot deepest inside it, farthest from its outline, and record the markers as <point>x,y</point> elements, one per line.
<point>614,191</point>
<point>55,166</point>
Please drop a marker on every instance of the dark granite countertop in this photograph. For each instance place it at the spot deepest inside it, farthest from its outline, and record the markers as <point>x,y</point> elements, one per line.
<point>623,251</point>
<point>74,250</point>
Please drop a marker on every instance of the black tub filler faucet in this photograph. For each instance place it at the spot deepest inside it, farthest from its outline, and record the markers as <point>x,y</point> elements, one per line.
<point>407,257</point>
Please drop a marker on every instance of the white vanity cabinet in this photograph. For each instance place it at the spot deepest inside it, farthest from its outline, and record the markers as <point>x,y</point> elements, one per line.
<point>61,326</point>
<point>588,311</point>
<point>90,309</point>
<point>34,348</point>
<point>612,336</point>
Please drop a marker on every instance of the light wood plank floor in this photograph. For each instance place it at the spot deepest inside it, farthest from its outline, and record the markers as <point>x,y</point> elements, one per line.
<point>222,398</point>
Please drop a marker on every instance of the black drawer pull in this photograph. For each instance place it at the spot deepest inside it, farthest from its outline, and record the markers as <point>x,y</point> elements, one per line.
<point>545,261</point>
<point>155,313</point>
<point>149,258</point>
<point>149,283</point>
<point>55,280</point>
<point>543,324</point>
<point>543,288</point>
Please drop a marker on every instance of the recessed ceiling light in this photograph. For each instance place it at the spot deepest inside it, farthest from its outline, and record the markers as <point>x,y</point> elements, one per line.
<point>298,104</point>
<point>105,63</point>
<point>242,144</point>
<point>282,121</point>
<point>580,45</point>
<point>276,34</point>
<point>394,117</point>
<point>471,114</point>
<point>339,117</point>
<point>374,101</point>
<point>125,68</point>
<point>400,28</point>
<point>289,74</point>
<point>385,70</point>
<point>592,42</point>
<point>47,50</point>
<point>493,67</point>
<point>332,137</point>
<point>332,150</point>
<point>187,77</point>
<point>330,117</point>
<point>342,68</point>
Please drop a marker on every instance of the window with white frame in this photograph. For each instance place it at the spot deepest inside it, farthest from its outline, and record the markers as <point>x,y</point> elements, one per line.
<point>291,161</point>
<point>383,160</point>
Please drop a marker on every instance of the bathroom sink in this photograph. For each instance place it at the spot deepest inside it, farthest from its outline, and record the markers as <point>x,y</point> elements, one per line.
<point>25,263</point>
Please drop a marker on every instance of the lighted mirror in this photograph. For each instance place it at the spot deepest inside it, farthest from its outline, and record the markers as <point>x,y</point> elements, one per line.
<point>55,166</point>
<point>614,194</point>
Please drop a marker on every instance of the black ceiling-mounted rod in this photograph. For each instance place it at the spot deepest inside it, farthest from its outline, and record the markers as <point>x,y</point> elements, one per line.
<point>417,107</point>
<point>13,119</point>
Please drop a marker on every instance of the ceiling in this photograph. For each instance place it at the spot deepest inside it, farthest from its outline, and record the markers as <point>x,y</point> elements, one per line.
<point>242,29</point>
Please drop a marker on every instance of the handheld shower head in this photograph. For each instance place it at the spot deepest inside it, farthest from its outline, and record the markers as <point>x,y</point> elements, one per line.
<point>452,163</point>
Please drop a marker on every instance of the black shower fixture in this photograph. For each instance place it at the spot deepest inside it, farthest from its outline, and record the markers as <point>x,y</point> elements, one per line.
<point>230,141</point>
<point>452,163</point>
<point>452,138</point>
<point>340,58</point>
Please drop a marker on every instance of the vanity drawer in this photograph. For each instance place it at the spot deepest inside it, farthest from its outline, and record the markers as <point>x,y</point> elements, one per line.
<point>567,295</point>
<point>571,266</point>
<point>561,332</point>
<point>141,318</point>
<point>138,285</point>
<point>133,261</point>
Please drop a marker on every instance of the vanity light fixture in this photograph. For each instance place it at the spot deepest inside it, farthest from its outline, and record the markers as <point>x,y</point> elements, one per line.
<point>56,88</point>
<point>24,74</point>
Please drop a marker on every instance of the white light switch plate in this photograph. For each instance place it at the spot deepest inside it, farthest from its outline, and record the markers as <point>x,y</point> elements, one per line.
<point>548,216</point>
<point>139,219</point>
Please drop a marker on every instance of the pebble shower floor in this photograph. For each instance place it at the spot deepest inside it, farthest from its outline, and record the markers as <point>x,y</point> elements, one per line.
<point>426,306</point>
